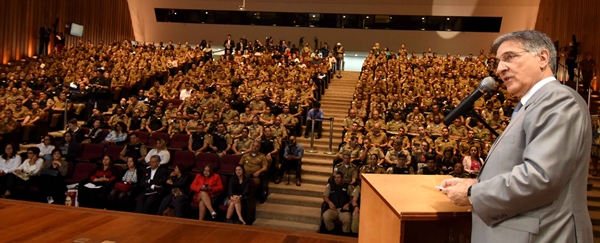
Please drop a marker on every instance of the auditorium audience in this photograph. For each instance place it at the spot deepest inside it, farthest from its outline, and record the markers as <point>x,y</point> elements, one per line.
<point>102,180</point>
<point>24,172</point>
<point>160,149</point>
<point>177,188</point>
<point>206,186</point>
<point>238,191</point>
<point>151,183</point>
<point>52,179</point>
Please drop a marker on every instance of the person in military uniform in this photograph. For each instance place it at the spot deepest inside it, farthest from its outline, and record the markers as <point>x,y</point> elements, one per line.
<point>221,141</point>
<point>227,114</point>
<point>292,156</point>
<point>372,167</point>
<point>135,104</point>
<point>278,131</point>
<point>119,117</point>
<point>350,119</point>
<point>157,122</point>
<point>457,130</point>
<point>444,142</point>
<point>351,147</point>
<point>257,105</point>
<point>434,129</point>
<point>235,128</point>
<point>467,143</point>
<point>254,162</point>
<point>269,146</point>
<point>459,171</point>
<point>243,144</point>
<point>368,149</point>
<point>396,123</point>
<point>392,155</point>
<point>288,120</point>
<point>349,170</point>
<point>337,195</point>
<point>375,118</point>
<point>136,122</point>
<point>422,136</point>
<point>58,109</point>
<point>134,149</point>
<point>255,130</point>
<point>199,140</point>
<point>20,112</point>
<point>431,168</point>
<point>79,99</point>
<point>7,126</point>
<point>377,137</point>
<point>35,115</point>
<point>481,132</point>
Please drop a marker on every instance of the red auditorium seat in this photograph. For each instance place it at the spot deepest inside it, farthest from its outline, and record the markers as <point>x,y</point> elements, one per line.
<point>156,136</point>
<point>143,136</point>
<point>81,172</point>
<point>179,141</point>
<point>228,163</point>
<point>203,159</point>
<point>183,158</point>
<point>105,133</point>
<point>91,152</point>
<point>114,151</point>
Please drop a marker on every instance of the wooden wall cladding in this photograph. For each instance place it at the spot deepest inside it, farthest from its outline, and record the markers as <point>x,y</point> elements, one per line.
<point>20,21</point>
<point>562,19</point>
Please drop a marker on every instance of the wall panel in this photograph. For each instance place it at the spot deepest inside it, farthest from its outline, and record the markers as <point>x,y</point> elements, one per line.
<point>20,21</point>
<point>562,19</point>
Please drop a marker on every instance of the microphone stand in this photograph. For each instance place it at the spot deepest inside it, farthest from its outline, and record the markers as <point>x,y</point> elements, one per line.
<point>472,113</point>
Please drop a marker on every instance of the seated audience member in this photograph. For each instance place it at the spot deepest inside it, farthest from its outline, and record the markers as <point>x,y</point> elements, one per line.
<point>118,135</point>
<point>178,189</point>
<point>123,189</point>
<point>444,142</point>
<point>136,122</point>
<point>116,118</point>
<point>160,149</point>
<point>473,163</point>
<point>8,125</point>
<point>254,163</point>
<point>206,187</point>
<point>337,195</point>
<point>104,176</point>
<point>46,147</point>
<point>377,137</point>
<point>431,168</point>
<point>22,174</point>
<point>292,158</point>
<point>96,115</point>
<point>52,178</point>
<point>391,157</point>
<point>459,171</point>
<point>238,191</point>
<point>371,167</point>
<point>33,122</point>
<point>349,170</point>
<point>134,149</point>
<point>78,133</point>
<point>351,147</point>
<point>9,162</point>
<point>157,122</point>
<point>314,114</point>
<point>95,134</point>
<point>447,160</point>
<point>368,149</point>
<point>221,141</point>
<point>255,130</point>
<point>177,124</point>
<point>69,148</point>
<point>402,167</point>
<point>243,144</point>
<point>355,202</point>
<point>468,142</point>
<point>152,181</point>
<point>199,140</point>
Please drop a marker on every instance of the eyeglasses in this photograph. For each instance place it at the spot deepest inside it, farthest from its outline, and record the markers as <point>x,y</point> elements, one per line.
<point>509,57</point>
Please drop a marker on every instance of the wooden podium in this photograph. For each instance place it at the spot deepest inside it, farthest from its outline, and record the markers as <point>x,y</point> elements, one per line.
<point>408,208</point>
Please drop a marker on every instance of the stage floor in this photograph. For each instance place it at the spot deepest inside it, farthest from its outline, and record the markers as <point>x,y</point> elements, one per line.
<point>36,222</point>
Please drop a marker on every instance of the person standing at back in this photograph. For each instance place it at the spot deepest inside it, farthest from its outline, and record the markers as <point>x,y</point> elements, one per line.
<point>532,186</point>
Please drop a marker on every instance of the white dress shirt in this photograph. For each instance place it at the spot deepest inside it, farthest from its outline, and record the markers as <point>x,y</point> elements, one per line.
<point>25,167</point>
<point>45,149</point>
<point>152,173</point>
<point>164,155</point>
<point>184,94</point>
<point>535,88</point>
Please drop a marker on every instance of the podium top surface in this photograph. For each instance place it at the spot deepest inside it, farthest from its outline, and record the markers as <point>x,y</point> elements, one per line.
<point>414,196</point>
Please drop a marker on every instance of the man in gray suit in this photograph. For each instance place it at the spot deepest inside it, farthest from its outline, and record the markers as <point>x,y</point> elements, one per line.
<point>532,187</point>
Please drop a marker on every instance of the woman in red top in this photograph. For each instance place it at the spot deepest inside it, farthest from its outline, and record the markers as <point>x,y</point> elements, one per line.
<point>206,185</point>
<point>103,176</point>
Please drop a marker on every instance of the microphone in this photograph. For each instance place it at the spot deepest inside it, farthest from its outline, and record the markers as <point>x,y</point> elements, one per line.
<point>486,85</point>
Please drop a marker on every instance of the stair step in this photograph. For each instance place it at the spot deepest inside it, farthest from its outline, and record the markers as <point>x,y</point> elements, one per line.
<point>317,170</point>
<point>286,225</point>
<point>596,233</point>
<point>593,195</point>
<point>593,206</point>
<point>306,190</point>
<point>295,200</point>
<point>595,216</point>
<point>300,214</point>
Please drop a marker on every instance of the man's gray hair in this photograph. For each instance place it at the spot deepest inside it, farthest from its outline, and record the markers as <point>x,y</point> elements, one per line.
<point>156,157</point>
<point>533,41</point>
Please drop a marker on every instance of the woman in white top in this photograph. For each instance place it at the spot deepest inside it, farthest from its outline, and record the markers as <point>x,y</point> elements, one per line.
<point>9,162</point>
<point>21,176</point>
<point>473,163</point>
<point>159,149</point>
<point>46,147</point>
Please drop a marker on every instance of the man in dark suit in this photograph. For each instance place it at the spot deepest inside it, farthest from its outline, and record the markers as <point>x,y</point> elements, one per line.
<point>229,44</point>
<point>532,187</point>
<point>152,181</point>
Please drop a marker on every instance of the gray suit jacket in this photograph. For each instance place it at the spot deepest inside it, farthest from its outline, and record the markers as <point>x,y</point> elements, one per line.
<point>532,187</point>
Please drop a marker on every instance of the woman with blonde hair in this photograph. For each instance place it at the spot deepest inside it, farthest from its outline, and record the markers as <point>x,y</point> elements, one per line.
<point>159,149</point>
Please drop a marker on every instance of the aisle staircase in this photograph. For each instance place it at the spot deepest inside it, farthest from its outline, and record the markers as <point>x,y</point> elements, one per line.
<point>298,208</point>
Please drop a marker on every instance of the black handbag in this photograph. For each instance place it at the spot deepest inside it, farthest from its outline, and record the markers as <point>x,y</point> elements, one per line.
<point>48,172</point>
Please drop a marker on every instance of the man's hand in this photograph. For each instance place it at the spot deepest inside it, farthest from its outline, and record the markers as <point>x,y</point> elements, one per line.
<point>450,182</point>
<point>346,206</point>
<point>332,206</point>
<point>356,211</point>
<point>458,192</point>
<point>256,174</point>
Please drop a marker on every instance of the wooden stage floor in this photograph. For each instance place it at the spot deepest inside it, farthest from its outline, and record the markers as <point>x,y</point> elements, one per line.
<point>36,222</point>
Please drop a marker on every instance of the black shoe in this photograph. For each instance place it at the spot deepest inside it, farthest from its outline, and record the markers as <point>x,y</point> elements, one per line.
<point>305,136</point>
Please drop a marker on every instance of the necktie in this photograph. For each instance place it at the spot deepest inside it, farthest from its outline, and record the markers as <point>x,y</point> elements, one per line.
<point>516,111</point>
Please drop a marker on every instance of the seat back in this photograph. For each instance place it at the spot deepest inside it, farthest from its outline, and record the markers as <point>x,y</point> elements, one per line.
<point>114,151</point>
<point>81,172</point>
<point>92,151</point>
<point>183,158</point>
<point>228,163</point>
<point>156,136</point>
<point>204,159</point>
<point>179,141</point>
<point>143,136</point>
